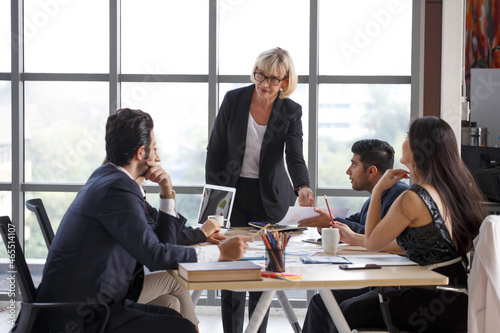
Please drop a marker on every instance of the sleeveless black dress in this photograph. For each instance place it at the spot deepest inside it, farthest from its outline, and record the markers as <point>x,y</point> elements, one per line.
<point>417,309</point>
<point>431,243</point>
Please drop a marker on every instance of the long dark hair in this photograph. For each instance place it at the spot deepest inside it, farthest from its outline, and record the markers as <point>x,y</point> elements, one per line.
<point>437,161</point>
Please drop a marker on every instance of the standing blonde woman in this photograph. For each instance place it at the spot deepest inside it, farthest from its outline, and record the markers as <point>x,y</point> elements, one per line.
<point>253,128</point>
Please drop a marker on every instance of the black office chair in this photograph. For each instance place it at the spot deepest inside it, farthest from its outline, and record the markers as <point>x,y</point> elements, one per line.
<point>28,291</point>
<point>37,207</point>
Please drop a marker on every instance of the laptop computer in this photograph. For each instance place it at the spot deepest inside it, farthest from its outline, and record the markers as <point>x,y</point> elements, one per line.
<point>216,200</point>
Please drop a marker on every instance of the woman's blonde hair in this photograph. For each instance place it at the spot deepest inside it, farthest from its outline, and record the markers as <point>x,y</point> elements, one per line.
<point>277,62</point>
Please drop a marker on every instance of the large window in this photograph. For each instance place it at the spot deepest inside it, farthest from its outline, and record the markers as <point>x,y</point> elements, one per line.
<point>5,133</point>
<point>376,40</point>
<point>80,60</point>
<point>347,113</point>
<point>64,130</point>
<point>249,27</point>
<point>4,36</point>
<point>66,36</point>
<point>179,113</point>
<point>164,37</point>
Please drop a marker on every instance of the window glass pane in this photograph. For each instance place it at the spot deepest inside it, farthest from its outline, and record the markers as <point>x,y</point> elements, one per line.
<point>187,204</point>
<point>353,203</point>
<point>5,133</point>
<point>5,36</point>
<point>376,40</point>
<point>66,36</point>
<point>248,28</point>
<point>348,113</point>
<point>300,95</point>
<point>180,113</point>
<point>165,37</point>
<point>64,134</point>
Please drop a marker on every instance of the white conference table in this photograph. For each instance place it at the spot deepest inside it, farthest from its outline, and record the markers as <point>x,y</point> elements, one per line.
<point>322,277</point>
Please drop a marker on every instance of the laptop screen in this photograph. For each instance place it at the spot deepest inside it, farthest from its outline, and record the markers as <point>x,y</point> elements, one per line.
<point>216,200</point>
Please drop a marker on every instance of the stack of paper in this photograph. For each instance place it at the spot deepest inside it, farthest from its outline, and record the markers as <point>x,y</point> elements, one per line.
<point>296,214</point>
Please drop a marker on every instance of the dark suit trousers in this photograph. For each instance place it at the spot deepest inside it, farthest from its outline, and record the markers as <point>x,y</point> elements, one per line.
<point>233,310</point>
<point>411,309</point>
<point>247,208</point>
<point>318,318</point>
<point>155,319</point>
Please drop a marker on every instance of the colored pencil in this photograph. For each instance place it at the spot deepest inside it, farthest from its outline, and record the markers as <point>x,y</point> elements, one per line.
<point>332,223</point>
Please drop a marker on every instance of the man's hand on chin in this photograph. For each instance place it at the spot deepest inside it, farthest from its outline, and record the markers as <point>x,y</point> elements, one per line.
<point>234,248</point>
<point>158,175</point>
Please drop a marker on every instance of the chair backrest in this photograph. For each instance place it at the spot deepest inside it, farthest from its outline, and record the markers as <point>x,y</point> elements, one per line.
<point>484,290</point>
<point>17,260</point>
<point>37,207</point>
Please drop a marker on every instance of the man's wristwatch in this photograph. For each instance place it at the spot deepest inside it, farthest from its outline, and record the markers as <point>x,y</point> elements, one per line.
<point>168,196</point>
<point>297,189</point>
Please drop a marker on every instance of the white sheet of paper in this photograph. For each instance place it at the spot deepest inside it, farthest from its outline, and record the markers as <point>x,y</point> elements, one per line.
<point>296,214</point>
<point>380,259</point>
<point>341,213</point>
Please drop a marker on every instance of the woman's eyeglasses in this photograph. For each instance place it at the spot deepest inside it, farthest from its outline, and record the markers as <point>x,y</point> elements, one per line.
<point>260,77</point>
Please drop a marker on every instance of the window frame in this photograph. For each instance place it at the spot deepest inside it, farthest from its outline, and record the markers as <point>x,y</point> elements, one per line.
<point>18,77</point>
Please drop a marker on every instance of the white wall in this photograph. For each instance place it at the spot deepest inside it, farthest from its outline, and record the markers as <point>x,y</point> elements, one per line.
<point>451,64</point>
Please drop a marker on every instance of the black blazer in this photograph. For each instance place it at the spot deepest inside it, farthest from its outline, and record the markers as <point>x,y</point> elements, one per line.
<point>100,240</point>
<point>226,150</point>
<point>187,236</point>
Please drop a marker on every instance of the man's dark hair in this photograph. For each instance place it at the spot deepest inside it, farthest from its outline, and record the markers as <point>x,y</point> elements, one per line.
<point>126,131</point>
<point>374,152</point>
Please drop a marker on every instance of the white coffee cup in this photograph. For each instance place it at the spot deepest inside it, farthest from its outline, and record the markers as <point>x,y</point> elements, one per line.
<point>224,223</point>
<point>330,238</point>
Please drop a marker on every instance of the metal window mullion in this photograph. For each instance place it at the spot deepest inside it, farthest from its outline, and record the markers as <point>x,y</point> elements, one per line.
<point>114,55</point>
<point>340,192</point>
<point>213,63</point>
<point>163,78</point>
<point>17,95</point>
<point>64,77</point>
<point>312,159</point>
<point>6,187</point>
<point>366,79</point>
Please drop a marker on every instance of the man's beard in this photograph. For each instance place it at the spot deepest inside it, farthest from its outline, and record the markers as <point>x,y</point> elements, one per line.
<point>146,171</point>
<point>147,167</point>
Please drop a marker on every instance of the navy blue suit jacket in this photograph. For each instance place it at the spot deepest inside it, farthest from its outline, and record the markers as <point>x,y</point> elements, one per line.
<point>357,221</point>
<point>226,149</point>
<point>101,238</point>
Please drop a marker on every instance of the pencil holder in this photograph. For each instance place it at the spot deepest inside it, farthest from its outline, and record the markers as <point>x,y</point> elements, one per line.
<point>275,260</point>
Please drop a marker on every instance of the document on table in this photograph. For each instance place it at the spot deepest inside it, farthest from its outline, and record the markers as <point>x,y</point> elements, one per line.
<point>254,255</point>
<point>380,259</point>
<point>324,260</point>
<point>296,214</point>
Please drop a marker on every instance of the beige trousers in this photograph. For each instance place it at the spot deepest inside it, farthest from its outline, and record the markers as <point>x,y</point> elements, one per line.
<point>160,288</point>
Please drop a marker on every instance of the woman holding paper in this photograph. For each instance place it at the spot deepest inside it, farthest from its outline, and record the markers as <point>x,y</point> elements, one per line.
<point>434,223</point>
<point>253,128</point>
